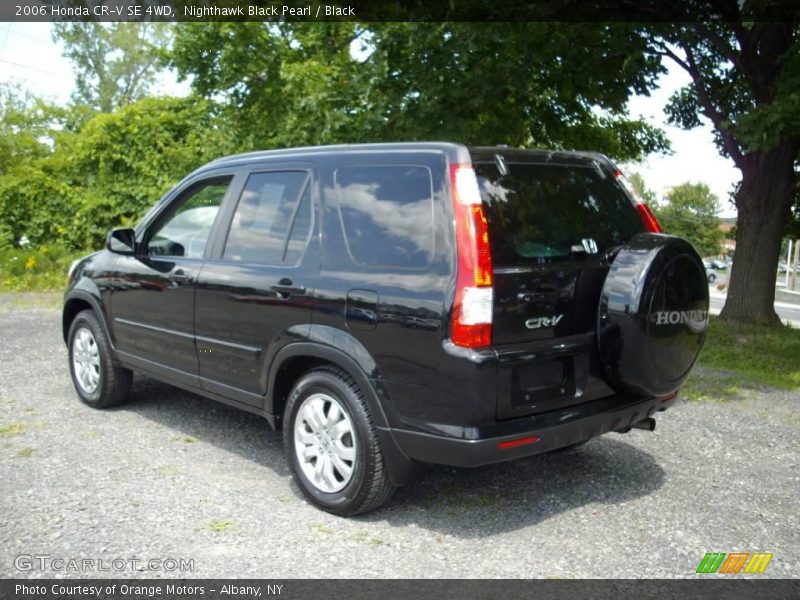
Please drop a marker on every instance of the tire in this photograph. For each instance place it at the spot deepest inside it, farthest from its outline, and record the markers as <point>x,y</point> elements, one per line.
<point>98,382</point>
<point>332,446</point>
<point>712,278</point>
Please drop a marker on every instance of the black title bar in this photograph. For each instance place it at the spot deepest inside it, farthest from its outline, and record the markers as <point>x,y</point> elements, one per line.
<point>396,10</point>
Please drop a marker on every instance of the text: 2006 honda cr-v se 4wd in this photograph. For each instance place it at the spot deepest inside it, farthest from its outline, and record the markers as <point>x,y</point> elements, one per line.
<point>397,304</point>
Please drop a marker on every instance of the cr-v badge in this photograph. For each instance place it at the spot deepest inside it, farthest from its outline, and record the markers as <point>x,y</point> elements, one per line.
<point>543,322</point>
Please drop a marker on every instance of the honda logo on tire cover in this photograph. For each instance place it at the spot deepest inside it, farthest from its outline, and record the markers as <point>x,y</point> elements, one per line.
<point>694,319</point>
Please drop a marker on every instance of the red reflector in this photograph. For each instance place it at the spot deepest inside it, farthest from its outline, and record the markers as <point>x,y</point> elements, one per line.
<point>517,443</point>
<point>651,224</point>
<point>670,397</point>
<point>471,336</point>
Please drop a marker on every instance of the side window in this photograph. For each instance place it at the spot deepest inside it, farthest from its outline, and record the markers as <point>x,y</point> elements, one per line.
<point>272,219</point>
<point>185,232</point>
<point>387,214</point>
<point>301,228</point>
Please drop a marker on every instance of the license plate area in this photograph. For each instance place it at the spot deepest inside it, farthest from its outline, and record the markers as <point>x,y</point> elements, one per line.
<point>539,381</point>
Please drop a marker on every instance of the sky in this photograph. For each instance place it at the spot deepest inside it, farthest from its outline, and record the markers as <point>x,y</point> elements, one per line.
<point>30,58</point>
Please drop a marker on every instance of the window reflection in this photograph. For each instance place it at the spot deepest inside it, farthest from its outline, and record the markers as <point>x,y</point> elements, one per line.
<point>387,214</point>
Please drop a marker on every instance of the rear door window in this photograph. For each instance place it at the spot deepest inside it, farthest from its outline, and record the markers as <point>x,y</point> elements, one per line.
<point>387,214</point>
<point>541,213</point>
<point>272,219</point>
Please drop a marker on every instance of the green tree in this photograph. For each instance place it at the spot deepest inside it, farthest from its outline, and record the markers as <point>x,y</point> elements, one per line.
<point>745,71</point>
<point>25,128</point>
<point>691,213</point>
<point>521,84</point>
<point>110,171</point>
<point>115,63</point>
<point>24,125</point>
<point>645,193</point>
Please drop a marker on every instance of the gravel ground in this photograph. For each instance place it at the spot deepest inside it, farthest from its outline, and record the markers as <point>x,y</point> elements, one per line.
<point>174,475</point>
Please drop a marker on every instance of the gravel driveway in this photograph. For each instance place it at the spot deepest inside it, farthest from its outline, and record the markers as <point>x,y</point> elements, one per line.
<point>172,475</point>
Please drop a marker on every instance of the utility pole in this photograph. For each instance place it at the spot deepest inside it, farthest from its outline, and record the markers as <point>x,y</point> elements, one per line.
<point>793,266</point>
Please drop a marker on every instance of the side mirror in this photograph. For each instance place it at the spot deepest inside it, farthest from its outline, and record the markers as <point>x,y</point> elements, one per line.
<point>121,241</point>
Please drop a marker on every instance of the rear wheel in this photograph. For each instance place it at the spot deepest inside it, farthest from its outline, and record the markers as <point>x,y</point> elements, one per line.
<point>332,446</point>
<point>98,382</point>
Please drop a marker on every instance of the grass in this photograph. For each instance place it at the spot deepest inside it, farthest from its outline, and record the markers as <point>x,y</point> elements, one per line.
<point>222,526</point>
<point>323,529</point>
<point>738,356</point>
<point>11,429</point>
<point>39,269</point>
<point>167,470</point>
<point>186,439</point>
<point>25,453</point>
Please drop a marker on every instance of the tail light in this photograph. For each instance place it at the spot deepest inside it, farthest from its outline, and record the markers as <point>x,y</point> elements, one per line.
<point>649,220</point>
<point>651,224</point>
<point>471,322</point>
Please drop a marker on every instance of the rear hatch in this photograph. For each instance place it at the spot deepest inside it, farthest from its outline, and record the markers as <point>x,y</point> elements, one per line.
<point>555,220</point>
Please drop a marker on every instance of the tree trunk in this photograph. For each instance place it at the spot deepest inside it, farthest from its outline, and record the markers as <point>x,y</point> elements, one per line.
<point>763,203</point>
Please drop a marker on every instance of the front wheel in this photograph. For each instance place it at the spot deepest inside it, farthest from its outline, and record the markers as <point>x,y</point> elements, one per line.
<point>98,382</point>
<point>332,446</point>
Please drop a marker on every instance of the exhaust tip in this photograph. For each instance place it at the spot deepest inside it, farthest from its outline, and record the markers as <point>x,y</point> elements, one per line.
<point>648,424</point>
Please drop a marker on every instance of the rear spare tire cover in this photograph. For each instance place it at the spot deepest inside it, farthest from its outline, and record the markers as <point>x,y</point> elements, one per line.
<point>653,315</point>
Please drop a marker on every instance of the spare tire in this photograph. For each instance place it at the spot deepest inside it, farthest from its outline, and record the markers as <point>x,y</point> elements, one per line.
<point>653,315</point>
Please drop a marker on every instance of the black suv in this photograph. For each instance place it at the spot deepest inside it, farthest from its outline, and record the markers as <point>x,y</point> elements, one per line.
<point>392,305</point>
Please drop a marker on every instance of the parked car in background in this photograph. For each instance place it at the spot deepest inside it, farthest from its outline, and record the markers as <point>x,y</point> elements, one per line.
<point>719,264</point>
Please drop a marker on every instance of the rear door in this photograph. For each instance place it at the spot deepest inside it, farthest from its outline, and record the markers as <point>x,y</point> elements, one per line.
<point>552,227</point>
<point>253,295</point>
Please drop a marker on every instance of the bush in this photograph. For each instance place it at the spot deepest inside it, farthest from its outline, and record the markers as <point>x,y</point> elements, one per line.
<point>35,269</point>
<point>108,172</point>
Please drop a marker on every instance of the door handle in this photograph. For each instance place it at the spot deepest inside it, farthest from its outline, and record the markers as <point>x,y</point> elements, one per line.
<point>285,288</point>
<point>180,276</point>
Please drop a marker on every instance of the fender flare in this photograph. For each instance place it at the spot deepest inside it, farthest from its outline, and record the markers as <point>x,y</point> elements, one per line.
<point>97,305</point>
<point>332,355</point>
<point>402,470</point>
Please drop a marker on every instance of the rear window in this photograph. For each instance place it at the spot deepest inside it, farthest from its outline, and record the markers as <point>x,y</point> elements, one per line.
<point>271,222</point>
<point>542,213</point>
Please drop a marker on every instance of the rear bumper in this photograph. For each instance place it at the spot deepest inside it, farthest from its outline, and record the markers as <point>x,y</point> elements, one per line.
<point>555,429</point>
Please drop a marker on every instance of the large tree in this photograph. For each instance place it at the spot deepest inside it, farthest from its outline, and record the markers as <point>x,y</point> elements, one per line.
<point>533,84</point>
<point>115,63</point>
<point>522,84</point>
<point>745,75</point>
